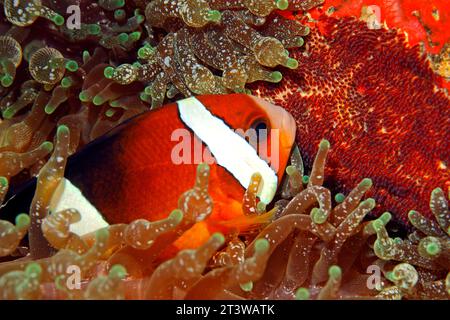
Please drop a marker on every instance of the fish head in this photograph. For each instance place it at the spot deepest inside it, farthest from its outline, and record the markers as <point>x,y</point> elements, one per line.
<point>268,129</point>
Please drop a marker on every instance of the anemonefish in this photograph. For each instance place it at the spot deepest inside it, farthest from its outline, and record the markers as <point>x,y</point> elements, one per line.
<point>140,169</point>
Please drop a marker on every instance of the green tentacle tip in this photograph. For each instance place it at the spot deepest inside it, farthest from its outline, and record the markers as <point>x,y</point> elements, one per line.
<point>282,4</point>
<point>324,144</point>
<point>339,197</point>
<point>118,271</point>
<point>7,80</point>
<point>119,3</point>
<point>109,72</point>
<point>261,245</point>
<point>83,96</point>
<point>72,65</point>
<point>276,76</point>
<point>110,112</point>
<point>135,36</point>
<point>119,14</point>
<point>66,82</point>
<point>436,191</point>
<point>261,207</point>
<point>431,245</point>
<point>413,215</point>
<point>214,16</point>
<point>239,90</point>
<point>366,182</point>
<point>49,109</point>
<point>391,276</point>
<point>98,100</point>
<point>9,113</point>
<point>143,52</point>
<point>307,30</point>
<point>47,146</point>
<point>114,104</point>
<point>33,269</point>
<point>318,216</point>
<point>370,202</point>
<point>247,287</point>
<point>58,19</point>
<point>62,130</point>
<point>148,90</point>
<point>176,215</point>
<point>290,170</point>
<point>433,248</point>
<point>94,29</point>
<point>302,294</point>
<point>299,42</point>
<point>140,18</point>
<point>292,63</point>
<point>86,55</point>
<point>144,97</point>
<point>4,182</point>
<point>202,167</point>
<point>23,220</point>
<point>305,179</point>
<point>123,38</point>
<point>218,237</point>
<point>60,283</point>
<point>102,234</point>
<point>335,272</point>
<point>385,217</point>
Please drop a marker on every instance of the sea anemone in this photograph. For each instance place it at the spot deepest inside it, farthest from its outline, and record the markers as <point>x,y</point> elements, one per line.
<point>310,250</point>
<point>377,100</point>
<point>62,87</point>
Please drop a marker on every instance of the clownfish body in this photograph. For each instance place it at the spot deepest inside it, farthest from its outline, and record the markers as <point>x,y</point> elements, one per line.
<point>140,169</point>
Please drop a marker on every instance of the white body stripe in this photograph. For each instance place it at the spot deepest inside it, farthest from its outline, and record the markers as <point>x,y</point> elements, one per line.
<point>69,196</point>
<point>230,150</point>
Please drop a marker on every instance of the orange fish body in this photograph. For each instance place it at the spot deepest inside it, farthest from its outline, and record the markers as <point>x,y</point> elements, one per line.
<point>141,169</point>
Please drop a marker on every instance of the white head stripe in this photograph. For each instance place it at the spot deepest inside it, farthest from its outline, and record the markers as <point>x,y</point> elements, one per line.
<point>230,150</point>
<point>69,196</point>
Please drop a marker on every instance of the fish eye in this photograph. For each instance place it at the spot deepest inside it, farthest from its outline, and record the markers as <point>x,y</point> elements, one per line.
<point>260,124</point>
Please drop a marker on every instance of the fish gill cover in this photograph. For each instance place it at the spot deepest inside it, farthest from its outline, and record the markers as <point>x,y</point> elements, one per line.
<point>65,84</point>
